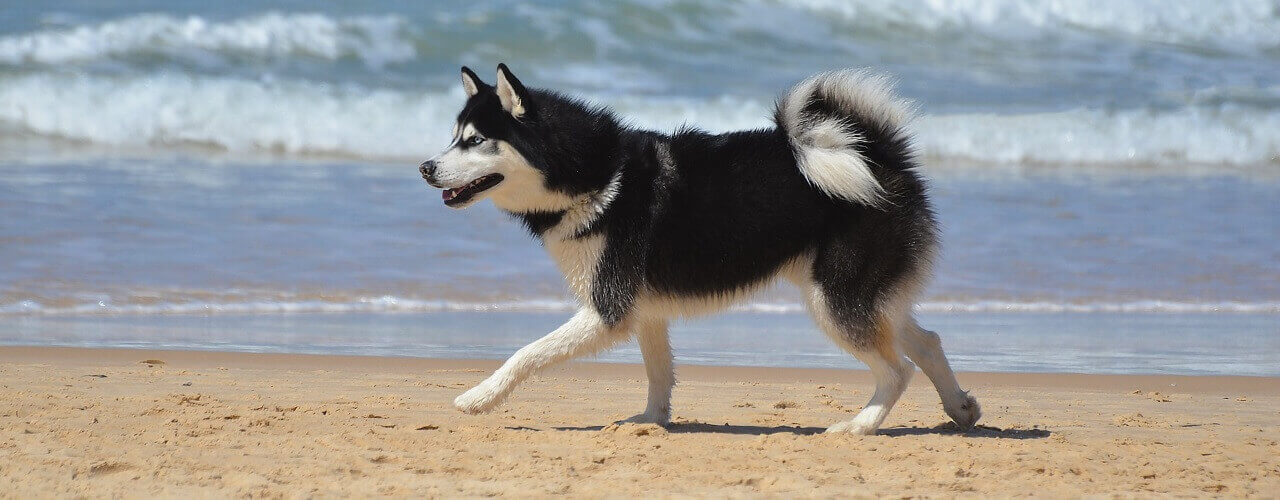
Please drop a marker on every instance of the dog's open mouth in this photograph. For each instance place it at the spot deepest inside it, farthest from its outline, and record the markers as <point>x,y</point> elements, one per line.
<point>460,195</point>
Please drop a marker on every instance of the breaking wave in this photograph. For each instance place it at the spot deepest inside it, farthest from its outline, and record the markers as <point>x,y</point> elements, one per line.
<point>1225,24</point>
<point>375,40</point>
<point>303,117</point>
<point>379,39</point>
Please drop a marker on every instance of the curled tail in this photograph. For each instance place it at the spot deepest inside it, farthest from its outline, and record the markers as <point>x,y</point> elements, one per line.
<point>830,118</point>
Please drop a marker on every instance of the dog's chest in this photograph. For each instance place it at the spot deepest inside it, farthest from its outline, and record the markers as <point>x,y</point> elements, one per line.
<point>578,259</point>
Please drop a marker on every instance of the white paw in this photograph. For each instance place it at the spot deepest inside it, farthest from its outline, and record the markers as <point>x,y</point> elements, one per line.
<point>480,399</point>
<point>965,414</point>
<point>852,427</point>
<point>648,418</point>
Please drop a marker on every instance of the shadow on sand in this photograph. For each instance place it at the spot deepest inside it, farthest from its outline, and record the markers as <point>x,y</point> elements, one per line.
<point>949,428</point>
<point>978,431</point>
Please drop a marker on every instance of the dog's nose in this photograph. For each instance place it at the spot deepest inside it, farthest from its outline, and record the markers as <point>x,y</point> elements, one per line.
<point>428,170</point>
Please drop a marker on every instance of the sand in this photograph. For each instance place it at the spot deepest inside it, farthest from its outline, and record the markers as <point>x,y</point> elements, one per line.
<point>108,423</point>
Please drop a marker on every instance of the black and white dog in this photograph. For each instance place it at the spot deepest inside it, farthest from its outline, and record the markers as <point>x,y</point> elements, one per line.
<point>649,227</point>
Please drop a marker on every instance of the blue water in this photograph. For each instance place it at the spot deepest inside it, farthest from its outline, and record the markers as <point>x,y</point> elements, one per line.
<point>217,175</point>
<point>1194,344</point>
<point>164,235</point>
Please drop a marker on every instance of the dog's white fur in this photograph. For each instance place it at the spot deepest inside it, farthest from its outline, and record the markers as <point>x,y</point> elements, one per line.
<point>584,334</point>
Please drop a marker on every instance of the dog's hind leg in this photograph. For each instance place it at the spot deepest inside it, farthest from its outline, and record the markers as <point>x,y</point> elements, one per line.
<point>870,336</point>
<point>925,349</point>
<point>585,333</point>
<point>891,371</point>
<point>655,346</point>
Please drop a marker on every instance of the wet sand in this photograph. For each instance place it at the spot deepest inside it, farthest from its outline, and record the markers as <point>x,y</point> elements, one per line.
<point>110,422</point>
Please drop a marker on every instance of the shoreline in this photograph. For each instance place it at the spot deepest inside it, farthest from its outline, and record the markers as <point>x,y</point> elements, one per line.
<point>1100,343</point>
<point>148,423</point>
<point>206,359</point>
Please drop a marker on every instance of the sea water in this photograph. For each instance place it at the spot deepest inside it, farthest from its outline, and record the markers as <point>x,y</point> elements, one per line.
<point>243,176</point>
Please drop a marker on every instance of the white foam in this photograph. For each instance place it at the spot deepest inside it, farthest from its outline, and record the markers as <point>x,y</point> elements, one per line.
<point>1135,306</point>
<point>1199,135</point>
<point>300,117</point>
<point>1224,24</point>
<point>231,114</point>
<point>376,40</point>
<point>387,304</point>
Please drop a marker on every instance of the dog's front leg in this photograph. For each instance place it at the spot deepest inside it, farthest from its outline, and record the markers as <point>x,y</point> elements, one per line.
<point>656,348</point>
<point>584,334</point>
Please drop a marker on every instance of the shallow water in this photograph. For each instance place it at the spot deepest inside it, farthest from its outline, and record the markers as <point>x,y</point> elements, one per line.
<point>155,236</point>
<point>1189,344</point>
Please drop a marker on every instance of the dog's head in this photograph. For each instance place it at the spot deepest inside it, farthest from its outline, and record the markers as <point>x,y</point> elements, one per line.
<point>522,148</point>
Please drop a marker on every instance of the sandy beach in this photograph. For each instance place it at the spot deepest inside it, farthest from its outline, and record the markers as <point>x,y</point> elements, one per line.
<point>131,423</point>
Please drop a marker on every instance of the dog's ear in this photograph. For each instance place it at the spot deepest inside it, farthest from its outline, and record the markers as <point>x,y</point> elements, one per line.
<point>514,97</point>
<point>471,83</point>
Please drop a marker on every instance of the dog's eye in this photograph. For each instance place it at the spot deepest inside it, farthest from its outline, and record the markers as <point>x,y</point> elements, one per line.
<point>475,140</point>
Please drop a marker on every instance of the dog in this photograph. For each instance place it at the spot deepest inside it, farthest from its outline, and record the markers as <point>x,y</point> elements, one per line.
<point>649,227</point>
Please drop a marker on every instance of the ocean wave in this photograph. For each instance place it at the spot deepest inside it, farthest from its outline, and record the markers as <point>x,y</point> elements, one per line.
<point>1227,135</point>
<point>1222,24</point>
<point>375,40</point>
<point>235,115</point>
<point>1230,25</point>
<point>308,118</point>
<point>392,304</point>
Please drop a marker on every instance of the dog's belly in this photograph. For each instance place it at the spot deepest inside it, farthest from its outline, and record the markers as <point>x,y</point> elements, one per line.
<point>661,305</point>
<point>671,304</point>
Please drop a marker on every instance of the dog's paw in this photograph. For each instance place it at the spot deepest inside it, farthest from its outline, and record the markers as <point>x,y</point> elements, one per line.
<point>480,399</point>
<point>648,418</point>
<point>965,414</point>
<point>852,427</point>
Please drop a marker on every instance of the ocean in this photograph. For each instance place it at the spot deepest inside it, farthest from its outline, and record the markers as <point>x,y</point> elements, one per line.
<point>243,175</point>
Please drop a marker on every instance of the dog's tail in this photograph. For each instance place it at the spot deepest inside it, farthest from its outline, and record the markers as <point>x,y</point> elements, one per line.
<point>832,118</point>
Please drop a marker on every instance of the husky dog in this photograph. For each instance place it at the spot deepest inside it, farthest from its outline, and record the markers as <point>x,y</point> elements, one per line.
<point>649,227</point>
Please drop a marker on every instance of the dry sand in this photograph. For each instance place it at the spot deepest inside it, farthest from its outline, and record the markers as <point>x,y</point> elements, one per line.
<point>104,423</point>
